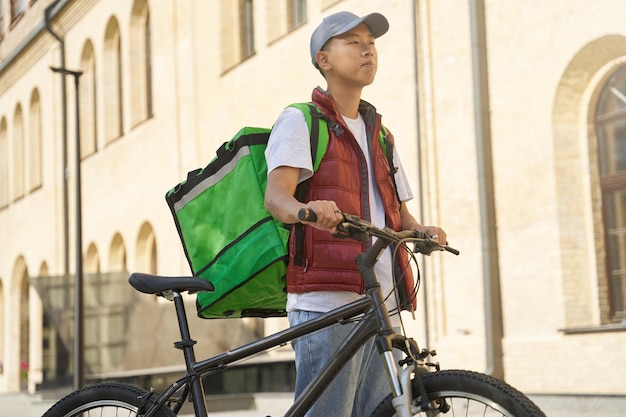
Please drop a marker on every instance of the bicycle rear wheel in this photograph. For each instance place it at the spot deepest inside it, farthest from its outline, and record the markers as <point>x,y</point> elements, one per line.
<point>469,394</point>
<point>104,400</point>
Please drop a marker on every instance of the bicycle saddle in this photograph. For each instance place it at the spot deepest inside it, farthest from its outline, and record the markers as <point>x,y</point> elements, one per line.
<point>156,284</point>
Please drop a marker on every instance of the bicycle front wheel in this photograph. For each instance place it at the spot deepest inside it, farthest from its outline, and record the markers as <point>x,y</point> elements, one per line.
<point>104,400</point>
<point>468,394</point>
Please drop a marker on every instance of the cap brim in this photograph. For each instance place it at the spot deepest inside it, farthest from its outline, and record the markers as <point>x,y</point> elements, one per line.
<point>376,22</point>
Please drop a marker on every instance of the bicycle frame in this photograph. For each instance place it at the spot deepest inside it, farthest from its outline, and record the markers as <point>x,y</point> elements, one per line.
<point>375,322</point>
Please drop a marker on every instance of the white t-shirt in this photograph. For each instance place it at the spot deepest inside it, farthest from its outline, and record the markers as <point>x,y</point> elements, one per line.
<point>289,145</point>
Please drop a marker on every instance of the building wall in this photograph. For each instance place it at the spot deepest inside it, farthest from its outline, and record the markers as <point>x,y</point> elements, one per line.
<point>545,67</point>
<point>546,62</point>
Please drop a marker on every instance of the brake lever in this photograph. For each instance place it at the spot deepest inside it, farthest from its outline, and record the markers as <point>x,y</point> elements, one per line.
<point>427,245</point>
<point>362,230</point>
<point>348,230</point>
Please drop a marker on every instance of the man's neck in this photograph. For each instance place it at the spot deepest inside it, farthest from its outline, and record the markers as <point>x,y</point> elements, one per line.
<point>347,100</point>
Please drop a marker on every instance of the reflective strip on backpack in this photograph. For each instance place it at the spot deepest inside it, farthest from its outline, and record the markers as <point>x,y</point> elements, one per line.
<point>213,179</point>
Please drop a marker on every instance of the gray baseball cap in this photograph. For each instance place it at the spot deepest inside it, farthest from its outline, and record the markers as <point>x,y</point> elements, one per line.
<point>341,22</point>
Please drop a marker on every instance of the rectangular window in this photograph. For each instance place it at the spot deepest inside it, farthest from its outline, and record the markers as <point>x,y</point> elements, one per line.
<point>1,21</point>
<point>296,13</point>
<point>148,66</point>
<point>247,28</point>
<point>17,9</point>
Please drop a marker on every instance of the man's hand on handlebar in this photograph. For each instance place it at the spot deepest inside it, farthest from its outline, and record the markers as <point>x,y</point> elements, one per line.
<point>425,242</point>
<point>322,215</point>
<point>434,233</point>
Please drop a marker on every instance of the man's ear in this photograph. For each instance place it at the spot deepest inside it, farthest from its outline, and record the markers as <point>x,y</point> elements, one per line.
<point>321,58</point>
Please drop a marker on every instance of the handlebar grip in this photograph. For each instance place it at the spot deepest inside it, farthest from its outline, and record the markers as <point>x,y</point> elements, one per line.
<point>307,215</point>
<point>451,250</point>
<point>420,235</point>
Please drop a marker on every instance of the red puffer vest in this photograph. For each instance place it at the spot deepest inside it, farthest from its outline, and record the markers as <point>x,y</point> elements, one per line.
<point>327,262</point>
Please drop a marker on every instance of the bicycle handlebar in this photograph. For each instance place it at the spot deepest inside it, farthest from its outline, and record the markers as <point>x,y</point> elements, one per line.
<point>353,227</point>
<point>307,215</point>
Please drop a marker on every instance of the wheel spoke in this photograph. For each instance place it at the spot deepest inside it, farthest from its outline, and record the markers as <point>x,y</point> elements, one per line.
<point>459,393</point>
<point>468,406</point>
<point>103,400</point>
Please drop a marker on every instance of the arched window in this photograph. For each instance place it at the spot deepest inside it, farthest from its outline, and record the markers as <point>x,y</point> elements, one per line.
<point>88,119</point>
<point>611,132</point>
<point>141,63</point>
<point>117,254</point>
<point>20,277</point>
<point>24,330</point>
<point>35,160</point>
<point>112,64</point>
<point>4,164</point>
<point>92,260</point>
<point>18,153</point>
<point>146,250</point>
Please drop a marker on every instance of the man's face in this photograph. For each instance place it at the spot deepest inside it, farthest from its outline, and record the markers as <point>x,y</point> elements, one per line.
<point>351,57</point>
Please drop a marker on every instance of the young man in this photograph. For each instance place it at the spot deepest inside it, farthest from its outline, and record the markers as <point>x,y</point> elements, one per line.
<point>354,177</point>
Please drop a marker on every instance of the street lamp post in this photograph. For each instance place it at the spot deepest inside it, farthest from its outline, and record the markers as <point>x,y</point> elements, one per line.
<point>79,338</point>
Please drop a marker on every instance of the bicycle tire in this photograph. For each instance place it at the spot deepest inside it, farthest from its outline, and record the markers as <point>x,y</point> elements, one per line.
<point>469,394</point>
<point>107,398</point>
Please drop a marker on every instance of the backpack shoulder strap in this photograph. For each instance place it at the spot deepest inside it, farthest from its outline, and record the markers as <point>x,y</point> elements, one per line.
<point>387,146</point>
<point>318,131</point>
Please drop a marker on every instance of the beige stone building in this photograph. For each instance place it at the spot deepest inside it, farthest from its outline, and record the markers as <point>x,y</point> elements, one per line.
<point>511,121</point>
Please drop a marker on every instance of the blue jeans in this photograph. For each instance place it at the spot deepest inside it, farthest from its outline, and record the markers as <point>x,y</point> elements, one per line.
<point>357,389</point>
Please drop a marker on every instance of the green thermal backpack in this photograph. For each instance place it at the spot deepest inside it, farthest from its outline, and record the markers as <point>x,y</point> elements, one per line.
<point>228,236</point>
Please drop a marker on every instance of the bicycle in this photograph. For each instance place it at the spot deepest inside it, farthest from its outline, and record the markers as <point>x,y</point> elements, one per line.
<point>418,386</point>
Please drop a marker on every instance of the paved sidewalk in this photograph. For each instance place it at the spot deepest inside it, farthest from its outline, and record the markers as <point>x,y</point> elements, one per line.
<point>581,406</point>
<point>23,405</point>
<point>33,405</point>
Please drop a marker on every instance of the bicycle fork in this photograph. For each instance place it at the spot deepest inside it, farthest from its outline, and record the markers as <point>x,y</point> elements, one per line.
<point>400,385</point>
<point>402,402</point>
<point>402,388</point>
